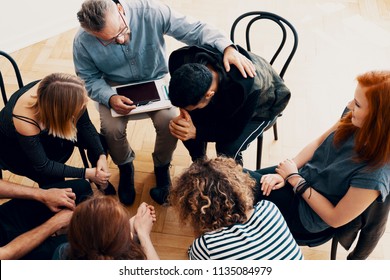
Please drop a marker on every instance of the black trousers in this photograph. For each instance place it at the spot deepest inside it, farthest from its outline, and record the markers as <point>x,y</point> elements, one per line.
<point>232,149</point>
<point>18,216</point>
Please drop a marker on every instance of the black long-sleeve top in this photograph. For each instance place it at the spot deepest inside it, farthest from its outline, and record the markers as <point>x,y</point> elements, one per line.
<point>32,145</point>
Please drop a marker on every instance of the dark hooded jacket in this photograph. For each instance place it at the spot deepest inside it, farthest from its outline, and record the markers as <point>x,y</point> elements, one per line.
<point>238,99</point>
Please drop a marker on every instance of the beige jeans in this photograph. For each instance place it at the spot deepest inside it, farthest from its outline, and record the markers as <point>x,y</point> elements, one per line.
<point>114,131</point>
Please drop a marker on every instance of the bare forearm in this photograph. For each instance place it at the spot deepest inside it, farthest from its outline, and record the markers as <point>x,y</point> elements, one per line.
<point>354,202</point>
<point>307,152</point>
<point>12,190</point>
<point>28,241</point>
<point>148,248</point>
<point>322,207</point>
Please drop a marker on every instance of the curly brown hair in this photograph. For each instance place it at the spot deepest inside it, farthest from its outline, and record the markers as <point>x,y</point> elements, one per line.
<point>213,193</point>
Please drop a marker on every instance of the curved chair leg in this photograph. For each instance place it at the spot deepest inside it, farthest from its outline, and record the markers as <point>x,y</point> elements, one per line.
<point>259,151</point>
<point>83,157</point>
<point>333,251</point>
<point>275,127</point>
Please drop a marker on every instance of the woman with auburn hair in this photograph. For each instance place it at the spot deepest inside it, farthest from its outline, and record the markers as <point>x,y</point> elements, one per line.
<point>100,229</point>
<point>39,127</point>
<point>339,175</point>
<point>216,196</point>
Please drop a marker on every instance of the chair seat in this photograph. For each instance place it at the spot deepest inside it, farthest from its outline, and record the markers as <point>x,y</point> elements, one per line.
<point>316,239</point>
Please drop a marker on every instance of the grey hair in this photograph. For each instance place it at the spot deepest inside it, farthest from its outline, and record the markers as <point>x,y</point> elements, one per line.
<point>92,15</point>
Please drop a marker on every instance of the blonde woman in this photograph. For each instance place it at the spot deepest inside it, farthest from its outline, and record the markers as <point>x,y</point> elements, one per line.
<point>39,127</point>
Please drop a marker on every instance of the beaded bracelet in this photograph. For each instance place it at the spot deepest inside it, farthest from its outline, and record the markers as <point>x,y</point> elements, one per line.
<point>294,174</point>
<point>298,186</point>
<point>302,189</point>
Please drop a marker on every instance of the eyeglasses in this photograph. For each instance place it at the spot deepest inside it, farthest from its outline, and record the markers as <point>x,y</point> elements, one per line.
<point>114,39</point>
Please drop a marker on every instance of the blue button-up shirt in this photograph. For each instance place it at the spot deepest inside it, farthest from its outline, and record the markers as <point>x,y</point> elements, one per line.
<point>144,56</point>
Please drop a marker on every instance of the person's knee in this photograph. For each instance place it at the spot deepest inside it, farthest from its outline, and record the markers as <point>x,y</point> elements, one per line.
<point>162,118</point>
<point>82,189</point>
<point>228,150</point>
<point>113,131</point>
<point>115,127</point>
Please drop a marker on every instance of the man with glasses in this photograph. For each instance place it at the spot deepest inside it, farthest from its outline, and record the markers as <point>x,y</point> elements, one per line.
<point>123,42</point>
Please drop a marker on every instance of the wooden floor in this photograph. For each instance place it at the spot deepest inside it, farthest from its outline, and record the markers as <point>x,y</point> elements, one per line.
<point>337,40</point>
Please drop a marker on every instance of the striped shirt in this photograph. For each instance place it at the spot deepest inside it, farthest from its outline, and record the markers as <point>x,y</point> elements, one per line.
<point>264,236</point>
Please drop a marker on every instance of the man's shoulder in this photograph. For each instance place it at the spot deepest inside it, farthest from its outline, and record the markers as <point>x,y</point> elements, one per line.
<point>141,4</point>
<point>84,39</point>
<point>81,34</point>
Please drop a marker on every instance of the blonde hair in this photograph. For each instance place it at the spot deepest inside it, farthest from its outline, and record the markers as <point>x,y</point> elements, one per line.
<point>213,193</point>
<point>61,100</point>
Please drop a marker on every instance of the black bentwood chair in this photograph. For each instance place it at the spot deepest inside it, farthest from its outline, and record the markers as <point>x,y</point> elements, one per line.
<point>367,229</point>
<point>6,61</point>
<point>287,34</point>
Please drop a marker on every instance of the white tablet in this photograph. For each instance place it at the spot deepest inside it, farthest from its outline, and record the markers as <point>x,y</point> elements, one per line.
<point>147,96</point>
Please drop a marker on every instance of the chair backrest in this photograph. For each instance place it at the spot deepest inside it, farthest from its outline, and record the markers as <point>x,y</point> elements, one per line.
<point>5,61</point>
<point>370,225</point>
<point>16,73</point>
<point>285,27</point>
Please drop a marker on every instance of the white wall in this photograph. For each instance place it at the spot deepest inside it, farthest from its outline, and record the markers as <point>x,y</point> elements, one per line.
<point>25,22</point>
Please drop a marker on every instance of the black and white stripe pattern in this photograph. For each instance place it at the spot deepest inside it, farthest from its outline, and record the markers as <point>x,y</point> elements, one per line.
<point>264,236</point>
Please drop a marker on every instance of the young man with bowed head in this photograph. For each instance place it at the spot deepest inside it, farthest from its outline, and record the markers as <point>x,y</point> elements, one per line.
<point>219,106</point>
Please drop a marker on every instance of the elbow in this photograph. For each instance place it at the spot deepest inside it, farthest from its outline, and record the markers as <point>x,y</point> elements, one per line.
<point>335,221</point>
<point>6,253</point>
<point>40,169</point>
<point>335,224</point>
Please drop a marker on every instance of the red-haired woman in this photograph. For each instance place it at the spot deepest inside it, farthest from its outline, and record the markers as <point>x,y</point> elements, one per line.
<point>100,229</point>
<point>339,175</point>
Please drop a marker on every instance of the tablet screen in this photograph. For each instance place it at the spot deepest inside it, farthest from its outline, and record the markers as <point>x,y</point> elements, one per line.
<point>140,94</point>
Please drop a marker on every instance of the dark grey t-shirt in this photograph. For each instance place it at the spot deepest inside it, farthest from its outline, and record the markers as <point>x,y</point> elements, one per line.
<point>332,171</point>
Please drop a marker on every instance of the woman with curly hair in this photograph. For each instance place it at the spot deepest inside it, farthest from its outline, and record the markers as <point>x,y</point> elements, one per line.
<point>100,229</point>
<point>216,196</point>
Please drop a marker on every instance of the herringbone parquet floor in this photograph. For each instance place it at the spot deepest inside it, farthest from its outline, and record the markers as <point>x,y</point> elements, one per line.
<point>338,39</point>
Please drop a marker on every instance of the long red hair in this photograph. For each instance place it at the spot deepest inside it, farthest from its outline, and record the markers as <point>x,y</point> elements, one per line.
<point>100,230</point>
<point>372,140</point>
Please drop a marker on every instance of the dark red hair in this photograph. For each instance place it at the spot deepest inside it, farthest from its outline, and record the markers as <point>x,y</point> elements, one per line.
<point>372,140</point>
<point>100,230</point>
